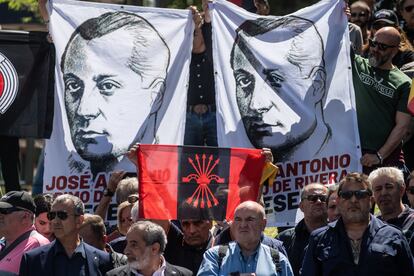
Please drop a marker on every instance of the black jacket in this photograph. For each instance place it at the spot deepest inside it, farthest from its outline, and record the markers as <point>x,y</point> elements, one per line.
<point>384,251</point>
<point>295,241</point>
<point>170,270</point>
<point>39,261</point>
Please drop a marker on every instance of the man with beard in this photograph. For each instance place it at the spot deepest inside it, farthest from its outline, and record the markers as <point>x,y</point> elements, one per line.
<point>313,205</point>
<point>389,188</point>
<point>360,15</point>
<point>357,243</point>
<point>381,92</point>
<point>146,243</point>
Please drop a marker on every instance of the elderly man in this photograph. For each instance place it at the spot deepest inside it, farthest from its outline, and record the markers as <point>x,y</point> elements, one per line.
<point>313,205</point>
<point>381,92</point>
<point>146,243</point>
<point>16,227</point>
<point>68,254</point>
<point>389,187</point>
<point>246,254</point>
<point>357,243</point>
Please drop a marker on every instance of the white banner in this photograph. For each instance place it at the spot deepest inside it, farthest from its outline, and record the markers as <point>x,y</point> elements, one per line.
<point>285,83</point>
<point>121,78</point>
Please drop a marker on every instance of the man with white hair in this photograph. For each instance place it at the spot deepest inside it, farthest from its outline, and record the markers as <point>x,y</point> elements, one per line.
<point>389,188</point>
<point>146,243</point>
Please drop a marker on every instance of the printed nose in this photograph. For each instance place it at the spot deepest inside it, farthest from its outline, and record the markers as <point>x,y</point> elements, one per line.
<point>88,106</point>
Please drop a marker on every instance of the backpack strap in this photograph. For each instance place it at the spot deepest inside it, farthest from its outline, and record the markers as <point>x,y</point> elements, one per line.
<point>5,251</point>
<point>222,252</point>
<point>276,259</point>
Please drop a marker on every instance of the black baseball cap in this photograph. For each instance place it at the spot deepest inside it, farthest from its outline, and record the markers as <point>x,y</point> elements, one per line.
<point>387,16</point>
<point>17,199</point>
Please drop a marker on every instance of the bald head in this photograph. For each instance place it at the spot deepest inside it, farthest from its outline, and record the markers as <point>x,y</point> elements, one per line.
<point>389,35</point>
<point>310,188</point>
<point>251,206</point>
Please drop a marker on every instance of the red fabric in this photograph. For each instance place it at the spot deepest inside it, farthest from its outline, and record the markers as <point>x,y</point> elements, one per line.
<point>237,2</point>
<point>157,173</point>
<point>246,167</point>
<point>159,166</point>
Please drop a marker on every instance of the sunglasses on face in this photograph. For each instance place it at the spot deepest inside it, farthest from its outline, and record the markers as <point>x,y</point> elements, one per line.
<point>360,194</point>
<point>409,8</point>
<point>381,46</point>
<point>7,211</point>
<point>62,215</point>
<point>314,198</point>
<point>358,14</point>
<point>410,190</point>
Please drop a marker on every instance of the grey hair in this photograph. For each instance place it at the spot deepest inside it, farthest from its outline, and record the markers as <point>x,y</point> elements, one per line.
<point>134,211</point>
<point>79,207</point>
<point>127,186</point>
<point>153,233</point>
<point>391,172</point>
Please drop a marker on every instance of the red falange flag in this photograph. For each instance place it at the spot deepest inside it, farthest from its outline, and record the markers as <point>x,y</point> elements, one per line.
<point>188,182</point>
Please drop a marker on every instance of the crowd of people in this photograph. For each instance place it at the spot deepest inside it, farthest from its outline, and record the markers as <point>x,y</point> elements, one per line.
<point>341,232</point>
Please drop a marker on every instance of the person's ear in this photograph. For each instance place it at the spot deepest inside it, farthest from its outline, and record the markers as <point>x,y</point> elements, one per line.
<point>301,207</point>
<point>155,248</point>
<point>318,75</point>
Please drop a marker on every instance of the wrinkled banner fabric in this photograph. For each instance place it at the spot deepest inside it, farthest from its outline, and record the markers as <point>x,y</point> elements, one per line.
<point>285,83</point>
<point>121,78</point>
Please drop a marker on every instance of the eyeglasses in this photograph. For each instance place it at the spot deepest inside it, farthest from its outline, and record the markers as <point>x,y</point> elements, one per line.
<point>409,8</point>
<point>7,211</point>
<point>410,190</point>
<point>314,198</point>
<point>381,46</point>
<point>358,14</point>
<point>62,215</point>
<point>360,194</point>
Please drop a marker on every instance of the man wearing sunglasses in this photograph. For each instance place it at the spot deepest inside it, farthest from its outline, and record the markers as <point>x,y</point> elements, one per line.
<point>68,254</point>
<point>16,227</point>
<point>357,243</point>
<point>389,187</point>
<point>314,208</point>
<point>360,15</point>
<point>381,92</point>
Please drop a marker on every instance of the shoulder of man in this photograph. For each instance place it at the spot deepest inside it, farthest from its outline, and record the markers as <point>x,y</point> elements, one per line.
<point>274,243</point>
<point>177,270</point>
<point>119,271</point>
<point>35,240</point>
<point>41,249</point>
<point>101,258</point>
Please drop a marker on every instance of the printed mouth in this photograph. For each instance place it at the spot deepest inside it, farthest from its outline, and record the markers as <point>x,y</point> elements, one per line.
<point>90,134</point>
<point>264,129</point>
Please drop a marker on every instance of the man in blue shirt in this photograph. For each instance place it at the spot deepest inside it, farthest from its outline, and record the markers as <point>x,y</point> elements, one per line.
<point>246,254</point>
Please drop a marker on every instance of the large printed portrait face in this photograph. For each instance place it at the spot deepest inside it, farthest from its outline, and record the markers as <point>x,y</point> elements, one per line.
<point>113,87</point>
<point>280,93</point>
